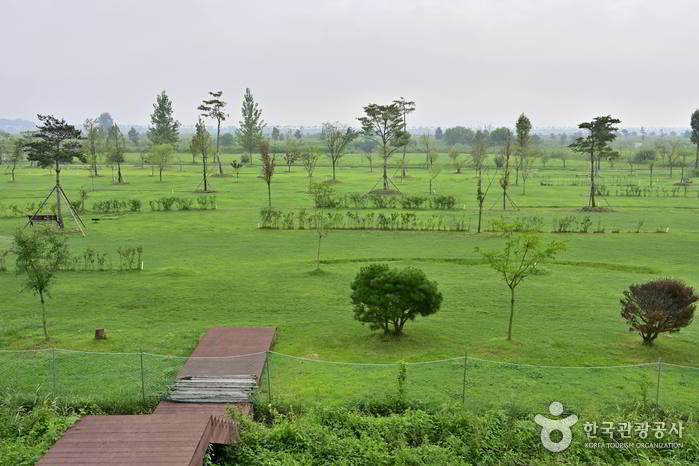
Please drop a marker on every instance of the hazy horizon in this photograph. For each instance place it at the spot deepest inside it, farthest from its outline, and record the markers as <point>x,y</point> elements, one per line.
<point>470,63</point>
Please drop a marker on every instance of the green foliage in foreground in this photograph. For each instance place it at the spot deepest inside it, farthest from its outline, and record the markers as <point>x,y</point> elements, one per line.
<point>392,434</point>
<point>26,433</point>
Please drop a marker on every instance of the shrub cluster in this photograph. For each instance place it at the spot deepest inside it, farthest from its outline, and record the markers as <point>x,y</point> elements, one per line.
<point>110,206</point>
<point>277,220</point>
<point>453,435</point>
<point>93,260</point>
<point>382,201</point>
<point>207,202</point>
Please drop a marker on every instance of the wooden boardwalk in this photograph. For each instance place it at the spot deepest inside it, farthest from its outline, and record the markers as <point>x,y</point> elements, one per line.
<point>177,433</point>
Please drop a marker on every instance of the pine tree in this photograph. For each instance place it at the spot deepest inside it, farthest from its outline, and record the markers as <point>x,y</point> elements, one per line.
<point>252,124</point>
<point>213,108</point>
<point>164,129</point>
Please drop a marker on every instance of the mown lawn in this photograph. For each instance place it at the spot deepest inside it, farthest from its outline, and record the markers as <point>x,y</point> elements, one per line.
<point>212,268</point>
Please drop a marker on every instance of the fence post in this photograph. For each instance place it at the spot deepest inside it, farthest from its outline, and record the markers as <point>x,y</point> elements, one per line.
<point>143,382</point>
<point>53,370</point>
<point>269,382</point>
<point>657,385</point>
<point>463,386</point>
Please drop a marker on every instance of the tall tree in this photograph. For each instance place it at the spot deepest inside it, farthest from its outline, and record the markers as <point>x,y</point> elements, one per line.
<point>92,137</point>
<point>337,136</point>
<point>213,108</point>
<point>522,255</point>
<point>115,149</point>
<point>104,122</point>
<point>292,153</point>
<point>601,132</point>
<point>385,123</point>
<point>164,128</point>
<point>438,133</point>
<point>55,142</point>
<point>505,179</point>
<point>160,156</point>
<point>275,134</point>
<point>252,124</point>
<point>694,135</point>
<point>406,106</point>
<point>522,140</point>
<point>134,137</point>
<point>16,155</point>
<point>40,253</point>
<point>648,157</point>
<point>200,143</point>
<point>268,164</point>
<point>478,153</point>
<point>309,159</point>
<point>367,147</point>
<point>427,145</point>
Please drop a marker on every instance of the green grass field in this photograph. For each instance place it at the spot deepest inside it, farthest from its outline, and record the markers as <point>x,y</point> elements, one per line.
<point>213,268</point>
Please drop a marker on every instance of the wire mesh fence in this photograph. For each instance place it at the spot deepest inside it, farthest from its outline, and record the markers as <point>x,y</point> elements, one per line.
<point>480,383</point>
<point>146,378</point>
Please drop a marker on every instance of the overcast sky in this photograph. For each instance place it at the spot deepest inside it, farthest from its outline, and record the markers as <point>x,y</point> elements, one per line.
<point>308,61</point>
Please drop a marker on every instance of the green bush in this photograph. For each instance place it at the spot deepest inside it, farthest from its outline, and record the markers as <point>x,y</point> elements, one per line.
<point>394,433</point>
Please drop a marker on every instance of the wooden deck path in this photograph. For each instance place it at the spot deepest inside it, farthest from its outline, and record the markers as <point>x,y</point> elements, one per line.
<point>176,433</point>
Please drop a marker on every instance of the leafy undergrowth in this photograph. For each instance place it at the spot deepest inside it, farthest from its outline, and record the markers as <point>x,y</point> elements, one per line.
<point>26,433</point>
<point>29,427</point>
<point>406,434</point>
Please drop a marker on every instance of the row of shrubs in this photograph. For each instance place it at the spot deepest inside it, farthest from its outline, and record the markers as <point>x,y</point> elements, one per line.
<point>382,201</point>
<point>130,258</point>
<point>277,220</point>
<point>110,206</point>
<point>648,191</point>
<point>567,224</point>
<point>181,203</point>
<point>164,203</point>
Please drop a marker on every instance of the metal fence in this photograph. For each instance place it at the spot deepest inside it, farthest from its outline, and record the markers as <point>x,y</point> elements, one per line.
<point>144,377</point>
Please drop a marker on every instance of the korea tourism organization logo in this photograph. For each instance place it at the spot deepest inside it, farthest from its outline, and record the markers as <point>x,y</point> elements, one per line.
<point>620,435</point>
<point>548,426</point>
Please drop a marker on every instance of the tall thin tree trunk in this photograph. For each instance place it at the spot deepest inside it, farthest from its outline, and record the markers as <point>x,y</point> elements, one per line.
<point>385,173</point>
<point>206,185</point>
<point>269,194</point>
<point>43,314</point>
<point>218,155</point>
<point>592,181</point>
<point>160,173</point>
<point>512,314</point>
<point>320,237</point>
<point>119,172</point>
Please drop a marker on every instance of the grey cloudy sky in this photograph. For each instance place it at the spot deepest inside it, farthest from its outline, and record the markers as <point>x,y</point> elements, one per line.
<point>309,61</point>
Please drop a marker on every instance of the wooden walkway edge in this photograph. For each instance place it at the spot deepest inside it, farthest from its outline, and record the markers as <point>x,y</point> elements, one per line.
<point>177,433</point>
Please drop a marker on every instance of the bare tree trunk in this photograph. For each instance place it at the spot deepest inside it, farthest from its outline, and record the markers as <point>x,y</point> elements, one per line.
<point>320,237</point>
<point>385,173</point>
<point>43,314</point>
<point>592,181</point>
<point>218,155</point>
<point>269,194</point>
<point>512,314</point>
<point>206,185</point>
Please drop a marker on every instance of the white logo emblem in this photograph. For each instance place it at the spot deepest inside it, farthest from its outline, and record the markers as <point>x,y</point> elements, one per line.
<point>561,425</point>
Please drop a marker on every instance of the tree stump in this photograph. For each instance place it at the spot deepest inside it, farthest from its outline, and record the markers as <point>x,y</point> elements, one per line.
<point>100,334</point>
